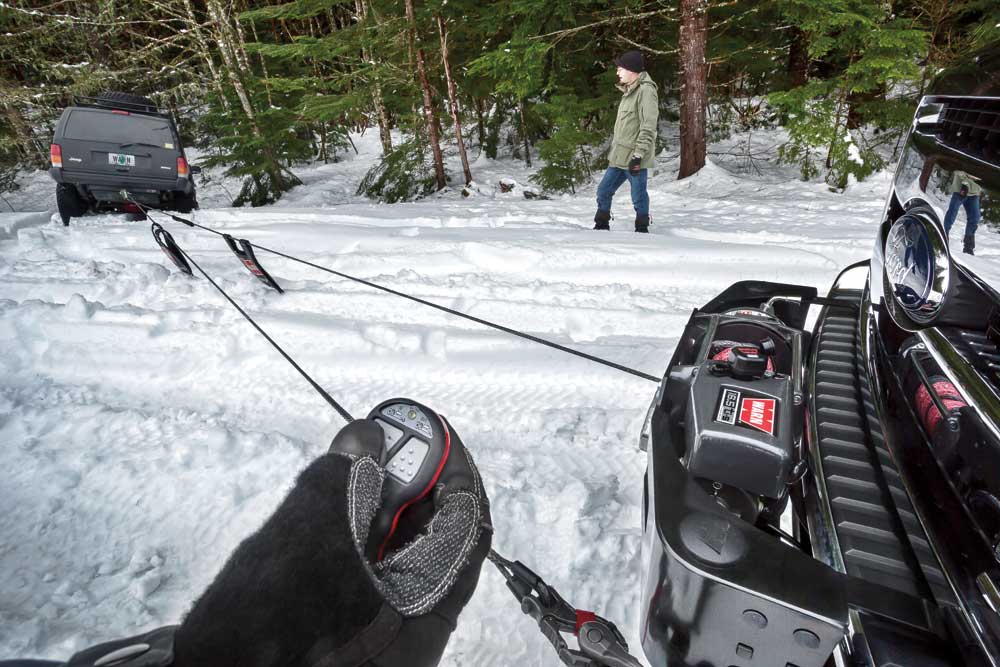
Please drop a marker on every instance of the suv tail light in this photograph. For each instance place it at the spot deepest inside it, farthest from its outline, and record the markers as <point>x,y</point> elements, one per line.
<point>55,154</point>
<point>120,112</point>
<point>182,168</point>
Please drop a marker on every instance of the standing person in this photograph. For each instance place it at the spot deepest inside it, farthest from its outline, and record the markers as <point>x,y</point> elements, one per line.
<point>633,142</point>
<point>964,193</point>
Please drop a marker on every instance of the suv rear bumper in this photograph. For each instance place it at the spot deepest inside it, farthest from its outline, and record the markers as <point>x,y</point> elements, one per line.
<point>105,187</point>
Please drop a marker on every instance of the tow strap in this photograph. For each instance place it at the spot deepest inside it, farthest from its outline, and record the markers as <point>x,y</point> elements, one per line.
<point>244,252</point>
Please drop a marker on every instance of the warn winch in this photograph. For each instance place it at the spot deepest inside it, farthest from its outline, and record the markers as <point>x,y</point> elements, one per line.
<point>722,579</point>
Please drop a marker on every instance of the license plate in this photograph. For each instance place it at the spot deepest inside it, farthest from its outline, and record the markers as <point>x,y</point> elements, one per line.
<point>121,159</point>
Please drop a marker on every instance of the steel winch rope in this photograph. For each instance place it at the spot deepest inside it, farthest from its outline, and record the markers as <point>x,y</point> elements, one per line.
<point>444,309</point>
<point>322,392</point>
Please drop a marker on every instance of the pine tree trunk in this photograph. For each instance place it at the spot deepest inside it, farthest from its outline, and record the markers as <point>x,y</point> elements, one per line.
<point>694,86</point>
<point>480,123</point>
<point>206,53</point>
<point>453,100</point>
<point>263,63</point>
<point>384,127</point>
<point>798,58</point>
<point>239,45</point>
<point>224,41</point>
<point>428,100</point>
<point>841,103</point>
<point>378,101</point>
<point>524,132</point>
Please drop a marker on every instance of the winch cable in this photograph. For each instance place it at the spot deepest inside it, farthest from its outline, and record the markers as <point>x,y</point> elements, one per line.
<point>444,309</point>
<point>322,392</point>
<point>537,599</point>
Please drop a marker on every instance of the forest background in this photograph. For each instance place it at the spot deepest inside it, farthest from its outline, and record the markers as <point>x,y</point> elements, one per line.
<point>264,85</point>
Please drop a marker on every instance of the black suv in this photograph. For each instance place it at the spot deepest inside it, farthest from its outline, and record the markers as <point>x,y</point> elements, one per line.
<point>119,141</point>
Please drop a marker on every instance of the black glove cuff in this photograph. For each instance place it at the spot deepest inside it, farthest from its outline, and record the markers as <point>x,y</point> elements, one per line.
<point>152,649</point>
<point>364,647</point>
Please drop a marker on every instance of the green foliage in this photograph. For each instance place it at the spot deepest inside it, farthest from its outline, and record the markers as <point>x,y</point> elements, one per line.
<point>871,55</point>
<point>986,32</point>
<point>403,175</point>
<point>315,49</point>
<point>298,9</point>
<point>260,151</point>
<point>529,73</point>
<point>566,153</point>
<point>810,127</point>
<point>516,67</point>
<point>819,139</point>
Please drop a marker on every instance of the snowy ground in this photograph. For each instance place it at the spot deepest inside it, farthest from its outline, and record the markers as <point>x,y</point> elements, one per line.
<point>145,428</point>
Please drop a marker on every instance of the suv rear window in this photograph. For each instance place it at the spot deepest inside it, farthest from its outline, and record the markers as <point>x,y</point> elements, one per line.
<point>88,125</point>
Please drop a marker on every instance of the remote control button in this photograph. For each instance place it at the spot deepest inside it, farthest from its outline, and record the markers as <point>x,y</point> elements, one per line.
<point>422,425</point>
<point>405,468</point>
<point>394,412</point>
<point>392,434</point>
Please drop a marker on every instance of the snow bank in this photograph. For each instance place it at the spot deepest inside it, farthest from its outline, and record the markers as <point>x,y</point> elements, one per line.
<point>10,223</point>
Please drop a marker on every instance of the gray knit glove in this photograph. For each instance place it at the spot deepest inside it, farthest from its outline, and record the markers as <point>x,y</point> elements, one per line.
<point>436,540</point>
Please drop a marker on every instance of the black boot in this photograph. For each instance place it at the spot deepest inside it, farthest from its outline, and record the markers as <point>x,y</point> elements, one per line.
<point>642,223</point>
<point>969,244</point>
<point>601,220</point>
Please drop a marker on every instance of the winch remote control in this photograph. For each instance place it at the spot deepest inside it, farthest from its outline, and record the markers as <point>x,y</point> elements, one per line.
<point>417,443</point>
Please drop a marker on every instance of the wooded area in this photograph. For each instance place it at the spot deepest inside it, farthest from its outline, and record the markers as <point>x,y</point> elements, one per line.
<point>266,85</point>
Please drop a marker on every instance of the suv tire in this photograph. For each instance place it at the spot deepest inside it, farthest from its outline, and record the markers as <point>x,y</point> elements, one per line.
<point>70,203</point>
<point>184,203</point>
<point>111,97</point>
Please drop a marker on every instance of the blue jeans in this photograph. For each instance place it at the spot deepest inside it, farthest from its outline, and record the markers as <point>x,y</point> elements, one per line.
<point>613,179</point>
<point>971,204</point>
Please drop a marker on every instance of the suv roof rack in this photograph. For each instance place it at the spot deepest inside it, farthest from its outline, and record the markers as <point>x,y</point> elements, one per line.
<point>103,103</point>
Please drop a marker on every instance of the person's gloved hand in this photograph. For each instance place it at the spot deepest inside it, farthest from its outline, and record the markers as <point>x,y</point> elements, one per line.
<point>300,591</point>
<point>964,190</point>
<point>635,164</point>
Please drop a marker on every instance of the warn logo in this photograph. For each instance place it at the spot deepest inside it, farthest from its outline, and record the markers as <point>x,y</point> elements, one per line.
<point>758,413</point>
<point>254,269</point>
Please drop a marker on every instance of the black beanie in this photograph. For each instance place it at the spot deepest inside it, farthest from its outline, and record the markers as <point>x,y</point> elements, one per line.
<point>632,61</point>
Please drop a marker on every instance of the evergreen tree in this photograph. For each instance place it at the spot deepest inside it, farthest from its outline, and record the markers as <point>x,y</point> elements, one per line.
<point>267,84</point>
<point>862,50</point>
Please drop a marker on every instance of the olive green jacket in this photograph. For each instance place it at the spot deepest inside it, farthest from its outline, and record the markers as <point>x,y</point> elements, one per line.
<point>960,178</point>
<point>635,127</point>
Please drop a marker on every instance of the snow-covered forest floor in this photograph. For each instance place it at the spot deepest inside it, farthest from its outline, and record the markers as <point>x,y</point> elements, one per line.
<point>145,428</point>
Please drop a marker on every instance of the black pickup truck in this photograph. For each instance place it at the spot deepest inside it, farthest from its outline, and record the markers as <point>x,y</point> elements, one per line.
<point>119,141</point>
<point>830,495</point>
